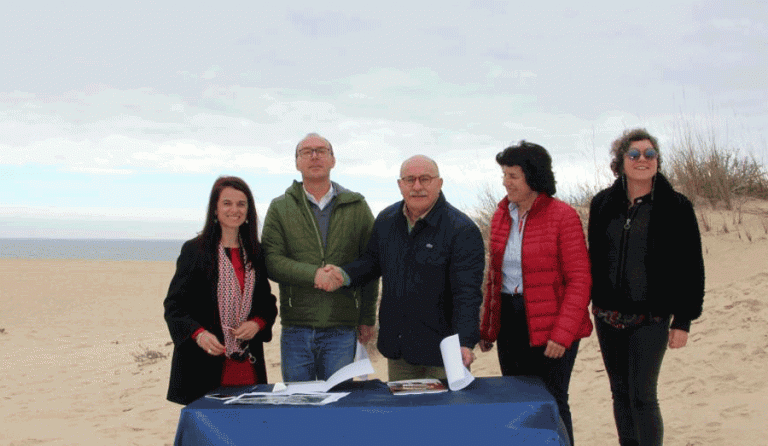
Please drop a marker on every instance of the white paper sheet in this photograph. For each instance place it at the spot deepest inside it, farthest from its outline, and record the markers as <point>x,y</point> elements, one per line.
<point>458,376</point>
<point>360,354</point>
<point>361,367</point>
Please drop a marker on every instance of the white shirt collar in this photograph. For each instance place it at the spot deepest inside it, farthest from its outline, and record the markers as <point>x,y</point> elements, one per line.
<point>325,198</point>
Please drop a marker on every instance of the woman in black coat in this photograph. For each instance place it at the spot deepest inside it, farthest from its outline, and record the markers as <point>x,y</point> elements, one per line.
<point>219,308</point>
<point>647,281</point>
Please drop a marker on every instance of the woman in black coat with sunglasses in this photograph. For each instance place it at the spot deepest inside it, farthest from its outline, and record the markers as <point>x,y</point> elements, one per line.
<point>648,281</point>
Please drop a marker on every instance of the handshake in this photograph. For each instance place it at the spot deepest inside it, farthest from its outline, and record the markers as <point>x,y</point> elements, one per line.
<point>329,278</point>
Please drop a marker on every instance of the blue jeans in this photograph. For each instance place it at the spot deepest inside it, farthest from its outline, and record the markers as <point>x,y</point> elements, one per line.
<point>632,358</point>
<point>310,354</point>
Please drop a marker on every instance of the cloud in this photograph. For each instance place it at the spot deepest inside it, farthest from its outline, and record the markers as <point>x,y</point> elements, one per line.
<point>211,72</point>
<point>102,171</point>
<point>102,213</point>
<point>138,109</point>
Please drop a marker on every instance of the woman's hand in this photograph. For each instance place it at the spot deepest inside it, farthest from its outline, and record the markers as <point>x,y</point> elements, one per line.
<point>246,331</point>
<point>677,338</point>
<point>208,342</point>
<point>486,346</point>
<point>554,350</point>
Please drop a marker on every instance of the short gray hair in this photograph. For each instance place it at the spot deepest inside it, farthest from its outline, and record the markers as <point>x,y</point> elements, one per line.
<point>313,135</point>
<point>424,157</point>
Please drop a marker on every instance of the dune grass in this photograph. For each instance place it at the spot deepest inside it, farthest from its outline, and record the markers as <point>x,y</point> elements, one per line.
<point>702,168</point>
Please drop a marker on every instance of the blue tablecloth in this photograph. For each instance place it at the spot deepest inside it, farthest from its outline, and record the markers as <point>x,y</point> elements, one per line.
<point>499,410</point>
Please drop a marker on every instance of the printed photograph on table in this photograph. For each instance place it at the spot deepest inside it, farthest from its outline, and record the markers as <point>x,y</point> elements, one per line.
<point>416,386</point>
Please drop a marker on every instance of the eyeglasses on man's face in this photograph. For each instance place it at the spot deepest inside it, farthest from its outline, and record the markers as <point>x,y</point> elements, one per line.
<point>423,179</point>
<point>649,154</point>
<point>320,152</point>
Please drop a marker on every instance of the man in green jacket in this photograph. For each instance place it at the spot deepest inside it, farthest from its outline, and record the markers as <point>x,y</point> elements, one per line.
<point>317,222</point>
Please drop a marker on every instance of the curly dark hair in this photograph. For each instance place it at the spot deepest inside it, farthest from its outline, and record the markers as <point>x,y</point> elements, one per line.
<point>621,146</point>
<point>535,162</point>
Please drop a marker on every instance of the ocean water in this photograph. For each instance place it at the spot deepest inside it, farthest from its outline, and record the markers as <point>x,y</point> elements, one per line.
<point>90,249</point>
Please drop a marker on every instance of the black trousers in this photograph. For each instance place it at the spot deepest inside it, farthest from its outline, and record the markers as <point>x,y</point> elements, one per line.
<point>632,358</point>
<point>517,357</point>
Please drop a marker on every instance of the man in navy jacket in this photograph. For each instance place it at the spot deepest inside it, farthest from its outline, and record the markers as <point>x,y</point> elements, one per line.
<point>431,257</point>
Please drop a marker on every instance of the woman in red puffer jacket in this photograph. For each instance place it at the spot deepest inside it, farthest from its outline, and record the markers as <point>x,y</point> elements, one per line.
<point>538,287</point>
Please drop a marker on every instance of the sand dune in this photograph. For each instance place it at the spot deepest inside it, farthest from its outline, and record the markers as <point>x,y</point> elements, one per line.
<point>84,352</point>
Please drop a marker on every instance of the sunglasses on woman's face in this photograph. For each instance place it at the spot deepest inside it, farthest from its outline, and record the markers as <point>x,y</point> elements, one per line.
<point>649,154</point>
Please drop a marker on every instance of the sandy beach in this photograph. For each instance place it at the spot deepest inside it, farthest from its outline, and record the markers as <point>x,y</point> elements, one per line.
<point>85,352</point>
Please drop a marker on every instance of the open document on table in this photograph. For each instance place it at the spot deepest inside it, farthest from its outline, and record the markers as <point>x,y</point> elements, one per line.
<point>289,393</point>
<point>317,389</point>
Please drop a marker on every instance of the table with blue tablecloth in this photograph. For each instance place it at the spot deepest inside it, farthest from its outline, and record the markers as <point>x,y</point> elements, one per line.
<point>498,410</point>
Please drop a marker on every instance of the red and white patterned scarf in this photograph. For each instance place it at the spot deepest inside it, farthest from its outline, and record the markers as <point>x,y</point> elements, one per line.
<point>234,304</point>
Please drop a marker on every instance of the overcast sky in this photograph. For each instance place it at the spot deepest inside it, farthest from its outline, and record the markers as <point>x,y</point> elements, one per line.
<point>114,122</point>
